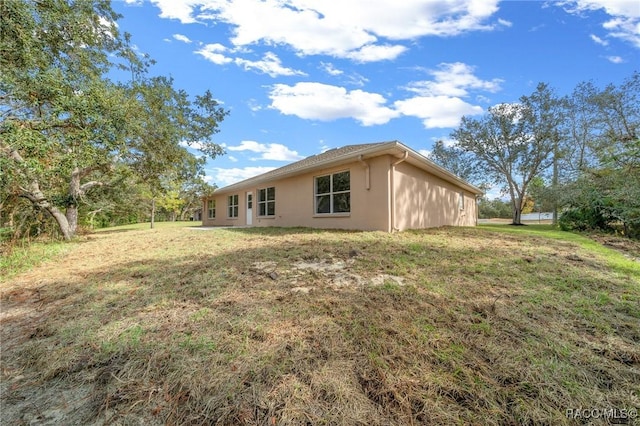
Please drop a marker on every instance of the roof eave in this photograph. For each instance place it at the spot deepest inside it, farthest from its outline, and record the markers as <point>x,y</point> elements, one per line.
<point>256,180</point>
<point>391,148</point>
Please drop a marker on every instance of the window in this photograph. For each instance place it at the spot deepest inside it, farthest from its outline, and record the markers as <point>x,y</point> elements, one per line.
<point>211,207</point>
<point>233,205</point>
<point>461,200</point>
<point>333,193</point>
<point>267,201</point>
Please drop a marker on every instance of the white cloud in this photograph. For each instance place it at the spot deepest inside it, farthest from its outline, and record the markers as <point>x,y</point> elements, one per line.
<point>374,53</point>
<point>182,38</point>
<point>232,158</point>
<point>181,10</point>
<point>317,101</point>
<point>453,79</point>
<point>625,22</point>
<point>628,8</point>
<point>212,52</point>
<point>269,151</point>
<point>598,40</point>
<point>223,177</point>
<point>437,111</point>
<point>627,29</point>
<point>505,23</point>
<point>425,152</point>
<point>323,146</point>
<point>350,28</point>
<point>356,79</point>
<point>270,64</point>
<point>254,105</point>
<point>615,59</point>
<point>330,69</point>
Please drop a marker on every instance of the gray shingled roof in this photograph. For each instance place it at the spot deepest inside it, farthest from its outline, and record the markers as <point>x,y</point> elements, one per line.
<point>349,153</point>
<point>306,163</point>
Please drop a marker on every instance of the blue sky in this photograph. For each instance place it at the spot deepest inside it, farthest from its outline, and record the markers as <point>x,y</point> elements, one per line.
<point>303,76</point>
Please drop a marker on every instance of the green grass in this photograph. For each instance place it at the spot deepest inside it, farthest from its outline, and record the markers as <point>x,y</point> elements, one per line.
<point>490,325</point>
<point>20,258</point>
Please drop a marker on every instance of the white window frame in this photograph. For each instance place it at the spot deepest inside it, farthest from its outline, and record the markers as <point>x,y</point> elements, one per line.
<point>211,209</point>
<point>232,206</point>
<point>331,194</point>
<point>266,202</point>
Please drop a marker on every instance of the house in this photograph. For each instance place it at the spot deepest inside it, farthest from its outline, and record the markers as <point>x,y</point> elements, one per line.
<point>383,186</point>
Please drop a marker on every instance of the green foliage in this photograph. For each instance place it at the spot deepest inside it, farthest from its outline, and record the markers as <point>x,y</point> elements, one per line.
<point>607,199</point>
<point>605,194</point>
<point>67,129</point>
<point>495,208</point>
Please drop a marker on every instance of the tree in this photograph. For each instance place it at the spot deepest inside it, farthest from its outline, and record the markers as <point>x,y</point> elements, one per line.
<point>192,193</point>
<point>61,120</point>
<point>514,142</point>
<point>167,121</point>
<point>541,195</point>
<point>606,192</point>
<point>496,208</point>
<point>65,126</point>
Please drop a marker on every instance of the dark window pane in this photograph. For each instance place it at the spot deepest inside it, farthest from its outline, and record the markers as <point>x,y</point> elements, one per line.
<point>341,182</point>
<point>235,211</point>
<point>271,208</point>
<point>235,200</point>
<point>261,209</point>
<point>271,193</point>
<point>342,203</point>
<point>323,185</point>
<point>323,204</point>
<point>262,195</point>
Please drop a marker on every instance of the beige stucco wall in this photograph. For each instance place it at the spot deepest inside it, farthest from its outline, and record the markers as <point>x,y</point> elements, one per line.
<point>295,201</point>
<point>424,200</point>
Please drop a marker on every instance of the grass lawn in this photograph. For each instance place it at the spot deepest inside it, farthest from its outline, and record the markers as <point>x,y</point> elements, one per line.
<point>492,325</point>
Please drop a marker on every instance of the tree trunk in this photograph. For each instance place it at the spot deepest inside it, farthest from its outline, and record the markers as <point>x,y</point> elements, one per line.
<point>554,184</point>
<point>517,216</point>
<point>153,212</point>
<point>72,218</point>
<point>516,203</point>
<point>35,195</point>
<point>517,208</point>
<point>74,193</point>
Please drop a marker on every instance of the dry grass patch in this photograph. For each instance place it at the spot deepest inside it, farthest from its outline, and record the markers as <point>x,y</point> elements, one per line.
<point>296,326</point>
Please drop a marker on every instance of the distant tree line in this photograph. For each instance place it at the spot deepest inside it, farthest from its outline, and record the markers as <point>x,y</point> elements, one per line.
<point>87,136</point>
<point>576,155</point>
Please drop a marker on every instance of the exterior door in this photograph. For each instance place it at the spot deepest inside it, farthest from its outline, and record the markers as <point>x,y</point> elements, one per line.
<point>249,208</point>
